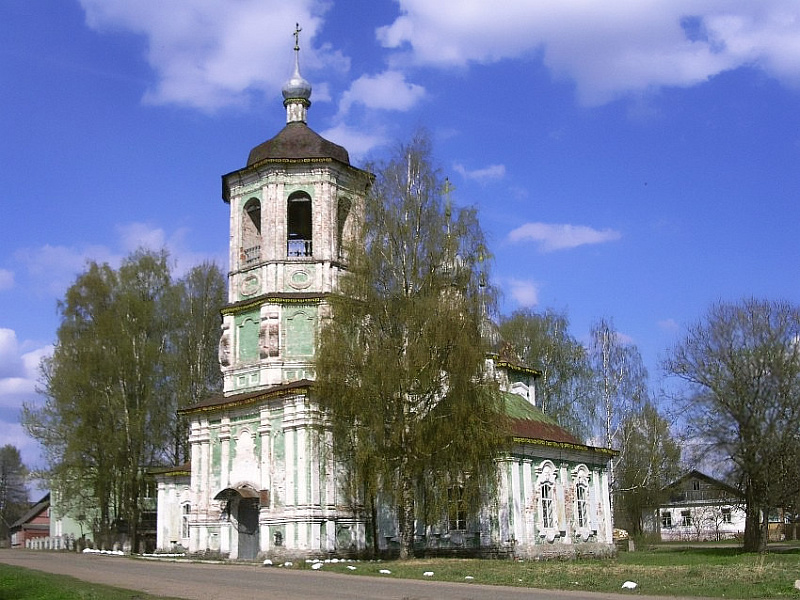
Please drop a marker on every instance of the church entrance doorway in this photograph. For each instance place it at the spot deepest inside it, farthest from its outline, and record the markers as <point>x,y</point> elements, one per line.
<point>247,519</point>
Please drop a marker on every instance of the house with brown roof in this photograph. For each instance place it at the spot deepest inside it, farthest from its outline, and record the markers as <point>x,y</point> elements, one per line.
<point>33,525</point>
<point>261,480</point>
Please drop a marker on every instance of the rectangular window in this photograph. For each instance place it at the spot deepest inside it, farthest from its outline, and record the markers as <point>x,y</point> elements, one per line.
<point>726,515</point>
<point>666,520</point>
<point>456,509</point>
<point>547,506</point>
<point>686,518</point>
<point>581,505</point>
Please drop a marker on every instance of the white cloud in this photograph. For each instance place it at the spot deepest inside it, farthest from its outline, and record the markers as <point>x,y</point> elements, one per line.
<point>669,325</point>
<point>607,48</point>
<point>15,434</point>
<point>561,237</point>
<point>19,370</point>
<point>358,142</point>
<point>214,53</point>
<point>9,352</point>
<point>386,91</point>
<point>6,279</point>
<point>54,268</point>
<point>524,292</point>
<point>481,175</point>
<point>134,236</point>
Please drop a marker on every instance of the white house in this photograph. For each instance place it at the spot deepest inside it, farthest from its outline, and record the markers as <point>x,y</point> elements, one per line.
<point>699,508</point>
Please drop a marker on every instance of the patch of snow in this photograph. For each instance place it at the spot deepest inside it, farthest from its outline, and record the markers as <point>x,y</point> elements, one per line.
<point>111,552</point>
<point>629,585</point>
<point>267,562</point>
<point>317,566</point>
<point>469,578</point>
<point>428,574</point>
<point>351,567</point>
<point>385,572</point>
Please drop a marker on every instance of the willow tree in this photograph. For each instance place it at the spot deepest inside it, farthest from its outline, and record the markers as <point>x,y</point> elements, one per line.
<point>400,364</point>
<point>742,365</point>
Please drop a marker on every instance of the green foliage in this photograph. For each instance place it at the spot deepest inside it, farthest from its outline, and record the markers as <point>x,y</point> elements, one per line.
<point>400,366</point>
<point>192,362</point>
<point>742,365</point>
<point>650,462</point>
<point>13,492</point>
<point>564,391</point>
<point>110,387</point>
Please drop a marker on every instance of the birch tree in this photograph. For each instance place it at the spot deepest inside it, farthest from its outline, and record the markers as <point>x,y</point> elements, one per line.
<point>400,364</point>
<point>109,409</point>
<point>621,386</point>
<point>193,364</point>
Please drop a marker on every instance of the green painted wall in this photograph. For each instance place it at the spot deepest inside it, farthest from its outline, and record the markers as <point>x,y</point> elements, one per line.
<point>299,324</point>
<point>247,326</point>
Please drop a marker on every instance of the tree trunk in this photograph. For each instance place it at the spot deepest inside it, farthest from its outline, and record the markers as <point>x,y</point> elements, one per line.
<point>374,513</point>
<point>755,539</point>
<point>406,519</point>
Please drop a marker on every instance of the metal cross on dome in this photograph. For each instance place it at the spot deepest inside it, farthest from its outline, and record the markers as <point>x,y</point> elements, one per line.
<point>297,30</point>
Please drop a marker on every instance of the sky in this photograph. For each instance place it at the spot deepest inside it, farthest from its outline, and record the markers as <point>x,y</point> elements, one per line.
<point>630,160</point>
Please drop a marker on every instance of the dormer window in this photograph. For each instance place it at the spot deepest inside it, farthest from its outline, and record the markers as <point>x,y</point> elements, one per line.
<point>251,232</point>
<point>298,225</point>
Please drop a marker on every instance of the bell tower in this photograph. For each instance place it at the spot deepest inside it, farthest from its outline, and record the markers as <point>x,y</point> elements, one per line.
<point>292,207</point>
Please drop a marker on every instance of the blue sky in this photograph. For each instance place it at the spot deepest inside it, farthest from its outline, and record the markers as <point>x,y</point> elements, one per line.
<point>631,160</point>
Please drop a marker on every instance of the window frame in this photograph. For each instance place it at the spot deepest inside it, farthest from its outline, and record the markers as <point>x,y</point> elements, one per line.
<point>186,509</point>
<point>666,519</point>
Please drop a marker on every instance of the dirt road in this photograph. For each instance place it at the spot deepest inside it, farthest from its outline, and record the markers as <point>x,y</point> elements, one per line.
<point>196,581</point>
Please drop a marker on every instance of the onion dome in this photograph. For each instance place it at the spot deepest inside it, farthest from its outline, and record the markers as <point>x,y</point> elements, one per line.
<point>296,88</point>
<point>297,91</point>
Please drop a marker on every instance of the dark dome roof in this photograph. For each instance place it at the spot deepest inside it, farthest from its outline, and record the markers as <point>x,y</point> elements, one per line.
<point>297,141</point>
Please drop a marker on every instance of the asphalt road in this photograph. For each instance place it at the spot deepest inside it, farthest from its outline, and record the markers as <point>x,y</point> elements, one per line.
<point>204,581</point>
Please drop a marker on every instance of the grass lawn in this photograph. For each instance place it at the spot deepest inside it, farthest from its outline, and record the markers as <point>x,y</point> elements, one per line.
<point>17,583</point>
<point>710,572</point>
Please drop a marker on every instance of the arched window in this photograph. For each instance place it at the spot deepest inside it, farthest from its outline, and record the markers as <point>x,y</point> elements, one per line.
<point>548,508</point>
<point>298,225</point>
<point>342,212</point>
<point>582,505</point>
<point>547,505</point>
<point>251,232</point>
<point>185,510</point>
<point>581,515</point>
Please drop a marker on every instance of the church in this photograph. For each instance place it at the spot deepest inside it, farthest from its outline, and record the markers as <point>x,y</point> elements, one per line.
<point>260,482</point>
